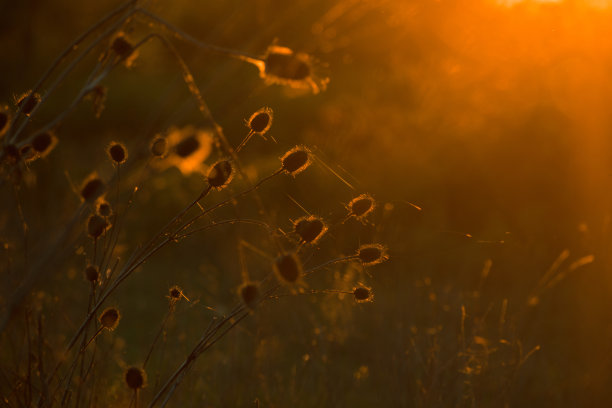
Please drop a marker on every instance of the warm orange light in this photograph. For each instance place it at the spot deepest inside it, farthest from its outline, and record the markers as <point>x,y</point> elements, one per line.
<point>600,4</point>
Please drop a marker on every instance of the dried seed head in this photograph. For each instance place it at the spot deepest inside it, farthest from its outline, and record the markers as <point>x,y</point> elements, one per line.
<point>309,228</point>
<point>363,294</point>
<point>361,206</point>
<point>187,146</point>
<point>220,174</point>
<point>280,65</point>
<point>43,143</point>
<point>5,119</point>
<point>103,208</point>
<point>92,188</point>
<point>372,254</point>
<point>109,318</point>
<point>27,104</point>
<point>92,273</point>
<point>117,152</point>
<point>96,226</point>
<point>175,294</point>
<point>249,293</point>
<point>296,160</point>
<point>260,121</point>
<point>122,47</point>
<point>159,146</point>
<point>135,378</point>
<point>288,268</point>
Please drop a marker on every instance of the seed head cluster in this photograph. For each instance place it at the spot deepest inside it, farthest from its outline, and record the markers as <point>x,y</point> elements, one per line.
<point>249,293</point>
<point>309,228</point>
<point>296,160</point>
<point>220,174</point>
<point>372,254</point>
<point>288,268</point>
<point>92,188</point>
<point>135,378</point>
<point>117,152</point>
<point>109,318</point>
<point>261,121</point>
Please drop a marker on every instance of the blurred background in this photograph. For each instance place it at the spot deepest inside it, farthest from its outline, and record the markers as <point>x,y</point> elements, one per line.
<point>493,117</point>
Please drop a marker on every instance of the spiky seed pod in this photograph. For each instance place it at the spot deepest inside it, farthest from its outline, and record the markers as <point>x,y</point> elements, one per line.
<point>5,119</point>
<point>282,64</point>
<point>135,378</point>
<point>117,152</point>
<point>92,188</point>
<point>103,208</point>
<point>96,226</point>
<point>175,293</point>
<point>362,294</point>
<point>43,143</point>
<point>249,293</point>
<point>92,273</point>
<point>122,47</point>
<point>361,206</point>
<point>296,160</point>
<point>288,268</point>
<point>12,154</point>
<point>220,174</point>
<point>109,318</point>
<point>159,146</point>
<point>261,121</point>
<point>372,254</point>
<point>309,228</point>
<point>26,104</point>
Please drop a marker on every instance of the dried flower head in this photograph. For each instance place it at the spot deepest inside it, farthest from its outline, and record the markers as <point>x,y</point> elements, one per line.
<point>135,378</point>
<point>43,143</point>
<point>372,254</point>
<point>103,208</point>
<point>280,65</point>
<point>117,152</point>
<point>96,226</point>
<point>188,148</point>
<point>363,294</point>
<point>361,206</point>
<point>249,293</point>
<point>309,228</point>
<point>288,268</point>
<point>92,273</point>
<point>5,119</point>
<point>26,103</point>
<point>260,121</point>
<point>220,174</point>
<point>92,188</point>
<point>296,160</point>
<point>123,49</point>
<point>159,146</point>
<point>175,293</point>
<point>109,318</point>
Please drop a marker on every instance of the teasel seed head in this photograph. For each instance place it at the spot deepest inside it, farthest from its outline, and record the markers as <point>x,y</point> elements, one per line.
<point>96,226</point>
<point>249,293</point>
<point>361,206</point>
<point>261,121</point>
<point>362,294</point>
<point>117,152</point>
<point>92,188</point>
<point>372,254</point>
<point>26,104</point>
<point>220,174</point>
<point>135,378</point>
<point>109,318</point>
<point>288,268</point>
<point>309,228</point>
<point>92,273</point>
<point>159,146</point>
<point>43,143</point>
<point>103,208</point>
<point>296,160</point>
